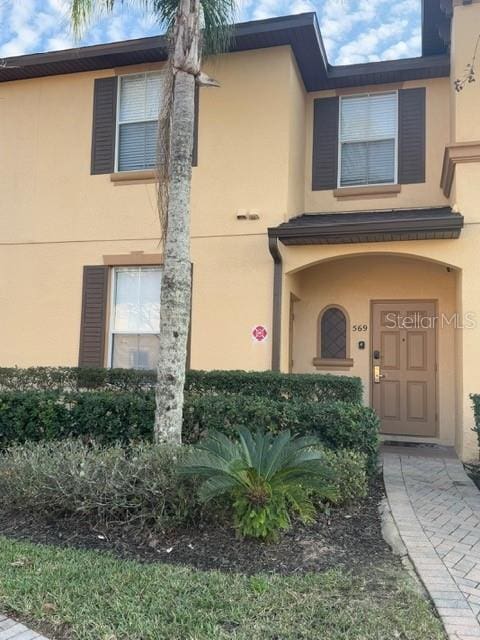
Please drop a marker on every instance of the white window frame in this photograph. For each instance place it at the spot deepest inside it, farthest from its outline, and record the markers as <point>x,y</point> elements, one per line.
<point>111,315</point>
<point>339,170</point>
<point>120,122</point>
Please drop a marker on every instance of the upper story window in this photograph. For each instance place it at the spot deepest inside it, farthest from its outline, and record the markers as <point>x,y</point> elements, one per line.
<point>137,121</point>
<point>368,139</point>
<point>135,317</point>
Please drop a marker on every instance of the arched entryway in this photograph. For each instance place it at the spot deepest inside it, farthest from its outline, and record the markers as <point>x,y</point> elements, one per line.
<point>393,320</point>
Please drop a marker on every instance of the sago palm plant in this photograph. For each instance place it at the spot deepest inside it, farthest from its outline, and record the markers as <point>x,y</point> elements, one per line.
<point>266,478</point>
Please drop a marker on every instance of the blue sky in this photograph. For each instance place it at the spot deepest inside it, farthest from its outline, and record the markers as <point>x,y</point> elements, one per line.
<point>353,30</point>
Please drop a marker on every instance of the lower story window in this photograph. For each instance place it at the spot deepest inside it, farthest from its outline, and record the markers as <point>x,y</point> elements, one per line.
<point>135,317</point>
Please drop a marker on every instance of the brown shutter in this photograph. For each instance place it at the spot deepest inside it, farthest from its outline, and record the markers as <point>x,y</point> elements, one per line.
<point>325,144</point>
<point>411,135</point>
<point>93,321</point>
<point>195,130</point>
<point>104,125</point>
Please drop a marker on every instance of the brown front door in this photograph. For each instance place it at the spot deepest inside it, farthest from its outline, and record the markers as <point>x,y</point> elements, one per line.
<point>404,367</point>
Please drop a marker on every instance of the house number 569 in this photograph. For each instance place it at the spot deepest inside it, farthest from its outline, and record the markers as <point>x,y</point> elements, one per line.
<point>360,327</point>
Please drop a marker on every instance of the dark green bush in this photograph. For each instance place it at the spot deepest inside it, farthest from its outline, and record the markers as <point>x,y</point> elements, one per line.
<point>74,379</point>
<point>279,386</point>
<point>104,416</point>
<point>138,487</point>
<point>339,425</point>
<point>349,471</point>
<point>108,417</point>
<point>312,387</point>
<point>475,397</point>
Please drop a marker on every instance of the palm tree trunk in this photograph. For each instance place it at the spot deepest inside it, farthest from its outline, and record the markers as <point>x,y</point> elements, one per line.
<point>176,282</point>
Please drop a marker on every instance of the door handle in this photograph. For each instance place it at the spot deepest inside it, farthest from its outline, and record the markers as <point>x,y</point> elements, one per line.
<point>377,376</point>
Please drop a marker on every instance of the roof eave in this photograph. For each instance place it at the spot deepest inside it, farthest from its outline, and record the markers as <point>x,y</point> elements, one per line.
<point>421,227</point>
<point>300,32</point>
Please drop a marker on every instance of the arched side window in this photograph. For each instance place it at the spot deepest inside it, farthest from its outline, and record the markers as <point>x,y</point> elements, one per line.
<point>333,338</point>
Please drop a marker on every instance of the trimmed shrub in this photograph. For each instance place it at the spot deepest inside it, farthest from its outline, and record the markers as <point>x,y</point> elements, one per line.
<point>109,417</point>
<point>312,387</point>
<point>74,379</point>
<point>138,487</point>
<point>339,425</point>
<point>279,386</point>
<point>475,397</point>
<point>349,472</point>
<point>104,416</point>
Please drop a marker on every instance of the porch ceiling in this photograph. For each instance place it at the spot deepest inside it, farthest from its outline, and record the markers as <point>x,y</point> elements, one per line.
<point>439,223</point>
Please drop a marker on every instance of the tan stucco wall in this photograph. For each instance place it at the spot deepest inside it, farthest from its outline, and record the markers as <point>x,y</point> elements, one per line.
<point>244,137</point>
<point>353,283</point>
<point>58,218</point>
<point>298,133</point>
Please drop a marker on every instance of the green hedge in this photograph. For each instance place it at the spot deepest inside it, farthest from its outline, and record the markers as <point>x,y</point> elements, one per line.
<point>105,416</point>
<point>279,386</point>
<point>313,387</point>
<point>475,397</point>
<point>108,417</point>
<point>74,379</point>
<point>339,425</point>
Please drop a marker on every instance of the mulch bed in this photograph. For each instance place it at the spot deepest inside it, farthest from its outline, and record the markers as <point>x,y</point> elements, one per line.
<point>349,537</point>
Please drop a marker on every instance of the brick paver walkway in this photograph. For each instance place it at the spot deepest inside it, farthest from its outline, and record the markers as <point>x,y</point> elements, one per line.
<point>11,630</point>
<point>436,508</point>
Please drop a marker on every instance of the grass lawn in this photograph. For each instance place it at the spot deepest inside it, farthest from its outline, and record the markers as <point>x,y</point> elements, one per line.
<point>90,595</point>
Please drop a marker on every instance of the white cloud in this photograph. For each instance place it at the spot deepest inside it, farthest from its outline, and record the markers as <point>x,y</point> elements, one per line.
<point>57,43</point>
<point>364,48</point>
<point>406,7</point>
<point>266,9</point>
<point>302,6</point>
<point>404,48</point>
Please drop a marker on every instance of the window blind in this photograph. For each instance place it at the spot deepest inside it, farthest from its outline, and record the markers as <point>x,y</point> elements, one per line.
<point>139,106</point>
<point>137,300</point>
<point>135,322</point>
<point>368,134</point>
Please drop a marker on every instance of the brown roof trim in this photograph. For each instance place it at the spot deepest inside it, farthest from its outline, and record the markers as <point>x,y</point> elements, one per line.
<point>300,32</point>
<point>373,226</point>
<point>389,71</point>
<point>458,153</point>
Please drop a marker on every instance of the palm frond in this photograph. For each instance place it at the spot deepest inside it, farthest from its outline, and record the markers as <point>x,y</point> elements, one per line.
<point>248,446</point>
<point>218,444</point>
<point>165,12</point>
<point>82,11</point>
<point>217,486</point>
<point>218,16</point>
<point>298,497</point>
<point>277,451</point>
